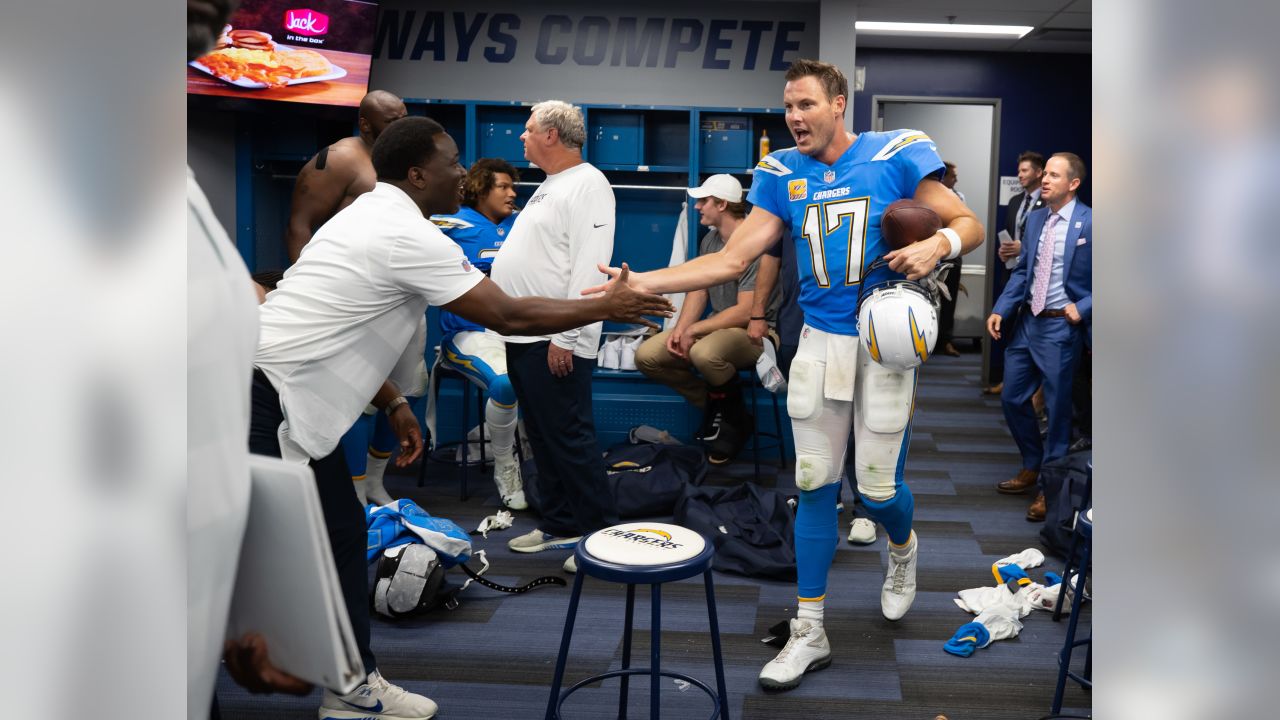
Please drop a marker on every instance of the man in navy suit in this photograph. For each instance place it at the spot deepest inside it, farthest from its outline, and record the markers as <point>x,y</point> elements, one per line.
<point>1030,173</point>
<point>1051,289</point>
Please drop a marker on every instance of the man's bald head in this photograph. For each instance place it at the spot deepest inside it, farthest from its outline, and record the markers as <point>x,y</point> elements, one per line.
<point>378,109</point>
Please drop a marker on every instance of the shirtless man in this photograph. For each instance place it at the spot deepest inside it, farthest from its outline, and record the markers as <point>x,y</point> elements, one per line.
<point>329,182</point>
<point>339,173</point>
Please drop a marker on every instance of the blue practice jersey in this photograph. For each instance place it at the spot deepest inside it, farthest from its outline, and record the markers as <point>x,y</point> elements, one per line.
<point>832,213</point>
<point>480,239</point>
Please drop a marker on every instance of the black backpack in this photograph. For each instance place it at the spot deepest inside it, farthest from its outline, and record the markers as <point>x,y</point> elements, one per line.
<point>646,478</point>
<point>1067,485</point>
<point>753,528</point>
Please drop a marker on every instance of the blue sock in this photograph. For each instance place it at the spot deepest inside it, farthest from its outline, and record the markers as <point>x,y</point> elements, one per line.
<point>968,638</point>
<point>384,439</point>
<point>817,535</point>
<point>1010,573</point>
<point>895,514</point>
<point>355,445</point>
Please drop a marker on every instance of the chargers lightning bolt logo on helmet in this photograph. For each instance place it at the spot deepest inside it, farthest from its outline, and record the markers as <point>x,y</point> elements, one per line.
<point>873,347</point>
<point>917,337</point>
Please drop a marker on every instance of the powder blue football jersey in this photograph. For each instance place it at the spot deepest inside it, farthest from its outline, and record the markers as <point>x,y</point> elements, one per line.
<point>480,239</point>
<point>832,212</point>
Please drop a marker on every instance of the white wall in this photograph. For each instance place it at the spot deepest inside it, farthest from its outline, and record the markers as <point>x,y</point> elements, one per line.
<point>963,134</point>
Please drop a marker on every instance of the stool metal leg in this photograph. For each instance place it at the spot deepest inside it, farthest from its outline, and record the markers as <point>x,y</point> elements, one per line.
<point>466,446</point>
<point>1066,575</point>
<point>782,440</point>
<point>626,650</point>
<point>717,657</point>
<point>755,430</point>
<point>480,403</point>
<point>655,653</point>
<point>1064,655</point>
<point>553,700</point>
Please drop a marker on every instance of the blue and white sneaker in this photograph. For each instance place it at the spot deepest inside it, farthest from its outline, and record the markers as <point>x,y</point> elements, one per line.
<point>537,541</point>
<point>376,699</point>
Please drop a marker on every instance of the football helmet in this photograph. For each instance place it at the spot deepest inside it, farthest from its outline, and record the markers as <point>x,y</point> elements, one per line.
<point>898,324</point>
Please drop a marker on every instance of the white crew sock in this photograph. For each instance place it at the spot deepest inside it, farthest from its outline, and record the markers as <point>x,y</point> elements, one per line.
<point>375,467</point>
<point>501,424</point>
<point>811,610</point>
<point>903,550</point>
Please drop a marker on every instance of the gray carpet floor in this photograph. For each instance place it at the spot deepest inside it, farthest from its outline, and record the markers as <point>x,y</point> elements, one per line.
<point>494,656</point>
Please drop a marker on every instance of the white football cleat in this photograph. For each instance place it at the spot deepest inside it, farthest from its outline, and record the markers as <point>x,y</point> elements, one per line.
<point>862,531</point>
<point>506,475</point>
<point>376,699</point>
<point>899,589</point>
<point>807,649</point>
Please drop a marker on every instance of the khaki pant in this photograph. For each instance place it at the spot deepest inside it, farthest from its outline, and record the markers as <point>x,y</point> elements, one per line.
<point>717,358</point>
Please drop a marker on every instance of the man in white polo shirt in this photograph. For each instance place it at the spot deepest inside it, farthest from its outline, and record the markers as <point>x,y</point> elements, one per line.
<point>338,321</point>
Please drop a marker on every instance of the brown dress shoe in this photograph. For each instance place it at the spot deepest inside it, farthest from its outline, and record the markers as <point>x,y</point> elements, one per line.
<point>1035,513</point>
<point>1022,482</point>
<point>994,389</point>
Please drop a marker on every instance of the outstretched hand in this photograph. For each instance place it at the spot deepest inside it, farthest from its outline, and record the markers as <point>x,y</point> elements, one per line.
<point>628,303</point>
<point>615,274</point>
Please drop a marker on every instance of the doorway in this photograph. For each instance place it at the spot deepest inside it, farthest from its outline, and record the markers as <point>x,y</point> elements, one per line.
<point>967,133</point>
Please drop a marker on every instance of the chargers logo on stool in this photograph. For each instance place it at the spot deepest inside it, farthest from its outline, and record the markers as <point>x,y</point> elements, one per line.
<point>644,544</point>
<point>663,539</point>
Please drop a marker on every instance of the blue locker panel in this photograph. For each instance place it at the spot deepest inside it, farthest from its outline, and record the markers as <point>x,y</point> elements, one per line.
<point>666,138</point>
<point>615,138</point>
<point>500,131</point>
<point>452,117</point>
<point>726,142</point>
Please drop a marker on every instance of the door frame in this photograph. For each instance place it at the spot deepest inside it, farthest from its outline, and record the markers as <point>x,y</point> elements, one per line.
<point>993,198</point>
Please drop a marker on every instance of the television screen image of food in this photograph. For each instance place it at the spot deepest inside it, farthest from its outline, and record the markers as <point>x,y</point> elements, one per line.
<point>293,51</point>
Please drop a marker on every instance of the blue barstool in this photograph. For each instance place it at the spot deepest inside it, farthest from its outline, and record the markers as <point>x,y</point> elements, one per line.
<point>440,372</point>
<point>778,436</point>
<point>642,553</point>
<point>1082,539</point>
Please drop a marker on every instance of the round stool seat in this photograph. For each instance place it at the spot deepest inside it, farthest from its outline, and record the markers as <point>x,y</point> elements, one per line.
<point>1084,523</point>
<point>644,552</point>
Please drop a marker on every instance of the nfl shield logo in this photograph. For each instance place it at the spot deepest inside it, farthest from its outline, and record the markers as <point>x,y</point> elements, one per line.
<point>466,265</point>
<point>501,232</point>
<point>829,176</point>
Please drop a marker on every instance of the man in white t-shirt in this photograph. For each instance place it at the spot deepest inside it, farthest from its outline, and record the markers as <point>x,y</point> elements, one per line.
<point>559,238</point>
<point>339,320</point>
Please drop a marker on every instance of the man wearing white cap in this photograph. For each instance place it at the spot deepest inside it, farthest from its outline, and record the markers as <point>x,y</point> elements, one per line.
<point>717,346</point>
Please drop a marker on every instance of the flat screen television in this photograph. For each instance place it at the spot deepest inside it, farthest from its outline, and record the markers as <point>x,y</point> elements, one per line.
<point>307,51</point>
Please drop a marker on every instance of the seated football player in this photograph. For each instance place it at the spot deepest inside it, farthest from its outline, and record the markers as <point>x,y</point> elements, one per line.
<point>479,227</point>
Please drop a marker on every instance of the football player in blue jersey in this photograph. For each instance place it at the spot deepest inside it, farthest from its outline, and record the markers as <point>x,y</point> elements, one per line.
<point>827,196</point>
<point>479,227</point>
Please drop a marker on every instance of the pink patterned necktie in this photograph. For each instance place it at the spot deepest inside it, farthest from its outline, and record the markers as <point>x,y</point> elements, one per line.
<point>1044,266</point>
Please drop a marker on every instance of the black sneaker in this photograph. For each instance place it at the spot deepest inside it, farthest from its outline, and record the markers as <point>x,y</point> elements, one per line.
<point>710,428</point>
<point>730,441</point>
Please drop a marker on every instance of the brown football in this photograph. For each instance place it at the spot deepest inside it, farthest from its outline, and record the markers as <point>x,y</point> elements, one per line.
<point>907,221</point>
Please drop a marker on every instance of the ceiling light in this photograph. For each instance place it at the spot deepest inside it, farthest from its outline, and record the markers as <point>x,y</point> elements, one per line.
<point>901,29</point>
